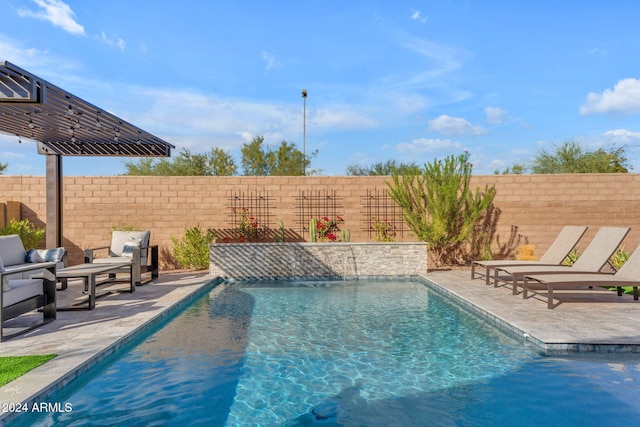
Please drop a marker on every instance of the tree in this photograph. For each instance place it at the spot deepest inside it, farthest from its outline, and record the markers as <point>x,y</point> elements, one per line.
<point>383,168</point>
<point>3,166</point>
<point>440,207</point>
<point>517,169</point>
<point>286,160</point>
<point>217,162</point>
<point>569,157</point>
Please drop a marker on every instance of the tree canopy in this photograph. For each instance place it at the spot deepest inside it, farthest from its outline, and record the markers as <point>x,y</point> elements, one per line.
<point>386,168</point>
<point>570,157</point>
<point>217,162</point>
<point>285,160</point>
<point>3,166</point>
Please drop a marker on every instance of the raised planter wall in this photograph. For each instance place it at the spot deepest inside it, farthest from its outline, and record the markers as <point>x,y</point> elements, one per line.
<point>316,260</point>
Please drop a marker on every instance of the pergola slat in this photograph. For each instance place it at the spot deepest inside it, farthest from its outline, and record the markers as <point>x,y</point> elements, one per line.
<point>65,125</point>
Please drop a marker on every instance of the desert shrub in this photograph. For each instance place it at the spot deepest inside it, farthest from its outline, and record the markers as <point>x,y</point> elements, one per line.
<point>440,206</point>
<point>193,250</point>
<point>619,258</point>
<point>30,235</point>
<point>572,257</point>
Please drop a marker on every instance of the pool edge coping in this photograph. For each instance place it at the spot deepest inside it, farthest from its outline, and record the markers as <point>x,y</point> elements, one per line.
<point>110,349</point>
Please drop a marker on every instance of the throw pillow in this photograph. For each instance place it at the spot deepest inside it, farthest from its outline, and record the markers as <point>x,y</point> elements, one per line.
<point>45,255</point>
<point>127,250</point>
<point>33,255</point>
<point>53,255</point>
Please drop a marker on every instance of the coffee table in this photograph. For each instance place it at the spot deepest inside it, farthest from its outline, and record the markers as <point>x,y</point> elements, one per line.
<point>88,273</point>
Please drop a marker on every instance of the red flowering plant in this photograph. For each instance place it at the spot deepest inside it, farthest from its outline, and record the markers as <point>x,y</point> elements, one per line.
<point>325,229</point>
<point>247,228</point>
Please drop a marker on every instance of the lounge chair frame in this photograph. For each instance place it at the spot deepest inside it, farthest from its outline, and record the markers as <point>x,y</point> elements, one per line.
<point>595,256</point>
<point>563,244</point>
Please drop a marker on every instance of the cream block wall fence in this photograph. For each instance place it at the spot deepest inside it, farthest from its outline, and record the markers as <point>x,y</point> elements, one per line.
<point>532,208</point>
<point>317,260</point>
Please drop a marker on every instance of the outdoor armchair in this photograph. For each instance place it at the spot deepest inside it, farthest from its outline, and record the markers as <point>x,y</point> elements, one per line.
<point>130,247</point>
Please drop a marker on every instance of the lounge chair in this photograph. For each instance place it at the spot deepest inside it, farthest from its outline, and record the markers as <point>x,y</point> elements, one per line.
<point>557,252</point>
<point>131,247</point>
<point>594,257</point>
<point>628,275</point>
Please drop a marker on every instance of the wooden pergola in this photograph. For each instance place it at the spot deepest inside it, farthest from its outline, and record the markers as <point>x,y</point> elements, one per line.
<point>65,125</point>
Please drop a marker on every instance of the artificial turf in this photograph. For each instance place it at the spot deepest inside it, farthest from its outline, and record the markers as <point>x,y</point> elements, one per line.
<point>12,367</point>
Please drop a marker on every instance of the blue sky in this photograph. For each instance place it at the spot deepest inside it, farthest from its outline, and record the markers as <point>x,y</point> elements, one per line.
<point>404,80</point>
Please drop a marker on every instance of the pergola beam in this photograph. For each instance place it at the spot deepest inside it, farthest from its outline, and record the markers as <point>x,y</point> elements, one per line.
<point>65,125</point>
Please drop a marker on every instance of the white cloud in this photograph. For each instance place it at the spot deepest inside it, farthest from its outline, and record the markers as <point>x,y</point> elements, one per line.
<point>624,98</point>
<point>495,115</point>
<point>12,51</point>
<point>623,135</point>
<point>340,117</point>
<point>457,126</point>
<point>112,41</point>
<point>56,12</point>
<point>417,15</point>
<point>270,60</point>
<point>426,145</point>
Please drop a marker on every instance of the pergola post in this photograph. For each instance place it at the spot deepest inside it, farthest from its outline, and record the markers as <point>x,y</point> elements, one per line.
<point>54,200</point>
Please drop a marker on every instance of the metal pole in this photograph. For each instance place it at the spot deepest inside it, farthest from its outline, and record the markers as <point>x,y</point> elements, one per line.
<point>304,132</point>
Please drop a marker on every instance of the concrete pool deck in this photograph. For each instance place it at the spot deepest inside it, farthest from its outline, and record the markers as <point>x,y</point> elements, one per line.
<point>582,321</point>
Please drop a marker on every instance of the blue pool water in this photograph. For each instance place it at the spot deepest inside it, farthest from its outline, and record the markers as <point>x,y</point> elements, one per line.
<point>375,353</point>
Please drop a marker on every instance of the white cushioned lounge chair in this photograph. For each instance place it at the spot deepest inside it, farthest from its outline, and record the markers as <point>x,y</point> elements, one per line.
<point>129,247</point>
<point>565,241</point>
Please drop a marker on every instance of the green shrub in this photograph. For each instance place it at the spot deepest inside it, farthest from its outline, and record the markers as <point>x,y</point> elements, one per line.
<point>124,227</point>
<point>193,250</point>
<point>30,235</point>
<point>440,206</point>
<point>619,258</point>
<point>572,257</point>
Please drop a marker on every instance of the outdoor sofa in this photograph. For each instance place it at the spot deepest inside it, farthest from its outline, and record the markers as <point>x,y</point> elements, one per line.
<point>28,283</point>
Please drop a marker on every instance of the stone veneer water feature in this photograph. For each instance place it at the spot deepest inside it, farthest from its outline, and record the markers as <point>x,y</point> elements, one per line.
<point>317,260</point>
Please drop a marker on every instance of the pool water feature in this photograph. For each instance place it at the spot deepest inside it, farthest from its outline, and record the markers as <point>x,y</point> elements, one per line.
<point>374,353</point>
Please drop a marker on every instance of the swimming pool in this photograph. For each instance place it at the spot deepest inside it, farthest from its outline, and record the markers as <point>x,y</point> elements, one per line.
<point>374,353</point>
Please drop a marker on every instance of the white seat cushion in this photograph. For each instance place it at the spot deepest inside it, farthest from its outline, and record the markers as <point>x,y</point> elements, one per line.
<point>21,289</point>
